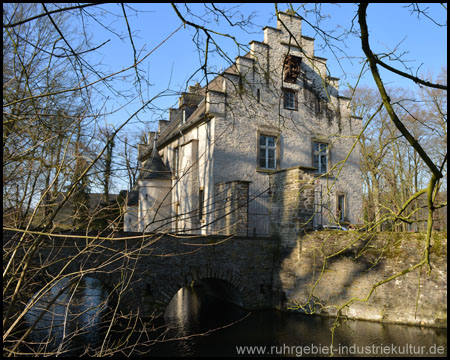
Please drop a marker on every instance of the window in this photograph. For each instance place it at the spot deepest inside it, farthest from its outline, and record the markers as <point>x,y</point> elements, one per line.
<point>320,156</point>
<point>267,152</point>
<point>258,95</point>
<point>177,213</point>
<point>340,208</point>
<point>290,99</point>
<point>201,199</point>
<point>176,161</point>
<point>291,68</point>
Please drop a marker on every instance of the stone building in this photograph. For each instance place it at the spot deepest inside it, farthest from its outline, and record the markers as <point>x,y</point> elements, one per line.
<point>206,170</point>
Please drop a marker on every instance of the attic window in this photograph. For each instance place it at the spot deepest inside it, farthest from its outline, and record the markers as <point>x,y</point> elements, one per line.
<point>291,68</point>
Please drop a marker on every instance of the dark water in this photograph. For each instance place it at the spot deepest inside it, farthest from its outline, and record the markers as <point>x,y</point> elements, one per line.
<point>202,324</point>
<point>274,333</point>
<point>68,317</point>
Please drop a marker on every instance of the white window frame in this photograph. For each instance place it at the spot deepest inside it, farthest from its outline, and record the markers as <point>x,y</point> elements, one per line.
<point>317,154</point>
<point>201,204</point>
<point>266,147</point>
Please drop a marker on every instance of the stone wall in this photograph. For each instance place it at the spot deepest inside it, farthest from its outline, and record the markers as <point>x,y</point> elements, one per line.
<point>319,271</point>
<point>231,208</point>
<point>291,202</point>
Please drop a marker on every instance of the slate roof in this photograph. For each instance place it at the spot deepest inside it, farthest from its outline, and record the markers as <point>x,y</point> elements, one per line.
<point>154,168</point>
<point>133,198</point>
<point>175,127</point>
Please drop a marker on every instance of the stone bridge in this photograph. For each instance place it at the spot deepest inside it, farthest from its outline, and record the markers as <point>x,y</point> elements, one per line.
<point>257,273</point>
<point>326,268</point>
<point>152,268</point>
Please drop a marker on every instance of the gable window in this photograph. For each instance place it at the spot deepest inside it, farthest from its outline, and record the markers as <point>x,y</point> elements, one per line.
<point>291,68</point>
<point>267,152</point>
<point>320,156</point>
<point>290,99</point>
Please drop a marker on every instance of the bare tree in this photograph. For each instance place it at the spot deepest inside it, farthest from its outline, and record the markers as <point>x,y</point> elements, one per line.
<point>53,99</point>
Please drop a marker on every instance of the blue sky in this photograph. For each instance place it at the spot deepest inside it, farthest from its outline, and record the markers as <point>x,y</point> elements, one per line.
<point>423,44</point>
<point>171,60</point>
<point>392,27</point>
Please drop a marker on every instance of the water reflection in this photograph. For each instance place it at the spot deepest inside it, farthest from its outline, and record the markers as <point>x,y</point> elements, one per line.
<point>210,305</point>
<point>286,334</point>
<point>196,312</point>
<point>73,318</point>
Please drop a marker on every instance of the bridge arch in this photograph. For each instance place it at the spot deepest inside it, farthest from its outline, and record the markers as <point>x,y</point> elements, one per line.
<point>200,275</point>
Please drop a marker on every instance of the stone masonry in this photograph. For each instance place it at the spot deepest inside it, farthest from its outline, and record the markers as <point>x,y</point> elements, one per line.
<point>151,268</point>
<point>292,202</point>
<point>316,272</point>
<point>320,271</point>
<point>231,208</point>
<point>217,138</point>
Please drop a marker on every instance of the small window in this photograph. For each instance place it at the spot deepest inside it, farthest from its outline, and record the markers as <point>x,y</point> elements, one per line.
<point>177,214</point>
<point>258,95</point>
<point>340,208</point>
<point>201,200</point>
<point>176,161</point>
<point>267,152</point>
<point>290,99</point>
<point>320,156</point>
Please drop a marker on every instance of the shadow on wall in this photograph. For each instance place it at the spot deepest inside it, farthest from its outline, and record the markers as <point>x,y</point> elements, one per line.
<point>320,271</point>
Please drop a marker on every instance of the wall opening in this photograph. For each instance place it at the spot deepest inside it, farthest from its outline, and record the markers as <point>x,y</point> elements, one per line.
<point>204,305</point>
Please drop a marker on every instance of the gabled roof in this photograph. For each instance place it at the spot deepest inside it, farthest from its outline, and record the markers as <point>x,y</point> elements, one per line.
<point>174,128</point>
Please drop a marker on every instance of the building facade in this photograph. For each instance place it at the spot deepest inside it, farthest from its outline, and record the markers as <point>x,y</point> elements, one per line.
<point>275,108</point>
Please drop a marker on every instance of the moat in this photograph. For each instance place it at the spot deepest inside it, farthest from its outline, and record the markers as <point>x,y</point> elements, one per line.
<point>205,325</point>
